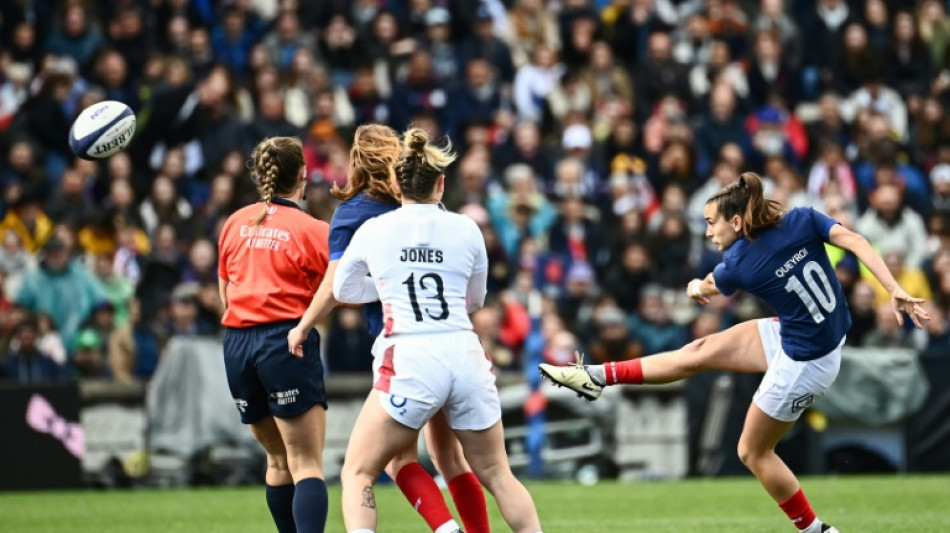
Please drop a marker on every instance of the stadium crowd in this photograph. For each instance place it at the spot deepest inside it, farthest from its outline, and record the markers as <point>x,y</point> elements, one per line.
<point>590,134</point>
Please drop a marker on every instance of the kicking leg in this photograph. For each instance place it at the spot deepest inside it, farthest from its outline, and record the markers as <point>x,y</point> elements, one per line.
<point>738,349</point>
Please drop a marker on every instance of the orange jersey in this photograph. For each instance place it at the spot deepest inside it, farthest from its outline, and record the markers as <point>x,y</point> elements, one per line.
<point>272,270</point>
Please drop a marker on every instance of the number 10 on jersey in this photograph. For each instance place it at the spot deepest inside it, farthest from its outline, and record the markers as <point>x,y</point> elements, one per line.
<point>818,285</point>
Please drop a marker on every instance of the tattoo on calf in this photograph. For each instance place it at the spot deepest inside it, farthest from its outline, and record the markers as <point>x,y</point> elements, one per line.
<point>369,499</point>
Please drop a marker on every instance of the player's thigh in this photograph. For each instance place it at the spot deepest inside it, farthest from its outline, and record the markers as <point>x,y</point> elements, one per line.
<point>444,447</point>
<point>304,435</point>
<point>376,438</point>
<point>737,349</point>
<point>760,433</point>
<point>268,434</point>
<point>485,451</point>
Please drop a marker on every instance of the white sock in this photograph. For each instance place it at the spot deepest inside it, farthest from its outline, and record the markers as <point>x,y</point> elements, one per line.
<point>814,527</point>
<point>364,530</point>
<point>449,527</point>
<point>597,374</point>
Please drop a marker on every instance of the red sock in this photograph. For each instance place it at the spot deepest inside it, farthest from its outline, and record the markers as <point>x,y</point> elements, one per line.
<point>798,510</point>
<point>624,372</point>
<point>470,501</point>
<point>423,494</point>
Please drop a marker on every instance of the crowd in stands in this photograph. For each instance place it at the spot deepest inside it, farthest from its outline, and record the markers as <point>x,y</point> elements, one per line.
<point>590,134</point>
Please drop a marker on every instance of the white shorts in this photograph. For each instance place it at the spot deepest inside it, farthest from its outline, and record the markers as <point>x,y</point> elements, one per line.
<point>790,386</point>
<point>416,375</point>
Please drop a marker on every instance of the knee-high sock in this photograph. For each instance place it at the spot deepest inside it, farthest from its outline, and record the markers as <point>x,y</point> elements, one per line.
<point>280,501</point>
<point>469,499</point>
<point>423,494</point>
<point>310,505</point>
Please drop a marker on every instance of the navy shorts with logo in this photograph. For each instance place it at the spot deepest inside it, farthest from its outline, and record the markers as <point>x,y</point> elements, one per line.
<point>266,379</point>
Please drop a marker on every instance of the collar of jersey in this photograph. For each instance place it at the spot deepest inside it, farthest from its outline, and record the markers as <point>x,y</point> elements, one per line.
<point>284,202</point>
<point>422,206</point>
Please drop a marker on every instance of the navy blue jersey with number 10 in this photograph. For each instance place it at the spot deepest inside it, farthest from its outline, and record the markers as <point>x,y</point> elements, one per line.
<point>788,267</point>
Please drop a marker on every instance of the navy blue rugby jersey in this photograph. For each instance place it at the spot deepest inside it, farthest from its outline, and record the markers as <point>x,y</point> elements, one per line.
<point>788,267</point>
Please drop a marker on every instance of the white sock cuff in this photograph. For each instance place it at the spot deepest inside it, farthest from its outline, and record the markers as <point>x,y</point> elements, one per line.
<point>364,530</point>
<point>449,527</point>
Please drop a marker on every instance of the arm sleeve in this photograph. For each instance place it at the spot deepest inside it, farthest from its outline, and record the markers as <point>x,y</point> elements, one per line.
<point>822,223</point>
<point>350,281</point>
<point>342,230</point>
<point>478,282</point>
<point>725,280</point>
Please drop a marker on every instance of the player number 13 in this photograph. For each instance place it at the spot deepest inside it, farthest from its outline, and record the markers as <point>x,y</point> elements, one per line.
<point>410,284</point>
<point>818,285</point>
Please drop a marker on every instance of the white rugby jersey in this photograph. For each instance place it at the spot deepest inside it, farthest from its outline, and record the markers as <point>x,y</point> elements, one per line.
<point>429,269</point>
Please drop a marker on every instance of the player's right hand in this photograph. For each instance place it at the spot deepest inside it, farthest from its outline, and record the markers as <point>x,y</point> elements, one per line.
<point>692,289</point>
<point>295,340</point>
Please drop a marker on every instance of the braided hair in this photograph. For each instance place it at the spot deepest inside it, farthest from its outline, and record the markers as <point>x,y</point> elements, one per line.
<point>420,165</point>
<point>276,165</point>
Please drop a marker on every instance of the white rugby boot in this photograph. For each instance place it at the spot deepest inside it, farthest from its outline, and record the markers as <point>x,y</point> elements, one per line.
<point>574,377</point>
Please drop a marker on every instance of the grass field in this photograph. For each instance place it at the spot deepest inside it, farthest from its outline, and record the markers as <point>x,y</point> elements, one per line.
<point>854,504</point>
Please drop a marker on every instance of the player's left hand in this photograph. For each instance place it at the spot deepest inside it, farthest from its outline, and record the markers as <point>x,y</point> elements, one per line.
<point>295,340</point>
<point>905,303</point>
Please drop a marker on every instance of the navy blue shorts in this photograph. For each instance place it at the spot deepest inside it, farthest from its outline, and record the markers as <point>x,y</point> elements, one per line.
<point>266,379</point>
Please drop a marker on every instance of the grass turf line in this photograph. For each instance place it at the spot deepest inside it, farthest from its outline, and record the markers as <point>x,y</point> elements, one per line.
<point>854,504</point>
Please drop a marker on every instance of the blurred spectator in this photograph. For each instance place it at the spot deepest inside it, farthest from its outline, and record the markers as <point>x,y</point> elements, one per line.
<point>531,26</point>
<point>888,224</point>
<point>888,333</point>
<point>134,348</point>
<point>62,288</point>
<point>75,37</point>
<point>653,325</point>
<point>89,358</point>
<point>28,363</point>
<point>535,81</point>
<point>614,341</point>
<point>49,341</point>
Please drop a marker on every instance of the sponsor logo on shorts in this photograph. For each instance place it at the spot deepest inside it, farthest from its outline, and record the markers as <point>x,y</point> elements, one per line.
<point>285,397</point>
<point>241,404</point>
<point>802,402</point>
<point>399,405</point>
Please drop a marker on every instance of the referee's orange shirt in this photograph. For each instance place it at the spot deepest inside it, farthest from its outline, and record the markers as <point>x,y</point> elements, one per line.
<point>272,270</point>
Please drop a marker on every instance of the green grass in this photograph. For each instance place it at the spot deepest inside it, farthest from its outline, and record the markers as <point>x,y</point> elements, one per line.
<point>919,504</point>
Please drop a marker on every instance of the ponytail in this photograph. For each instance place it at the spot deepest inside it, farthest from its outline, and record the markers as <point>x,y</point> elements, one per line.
<point>745,197</point>
<point>420,164</point>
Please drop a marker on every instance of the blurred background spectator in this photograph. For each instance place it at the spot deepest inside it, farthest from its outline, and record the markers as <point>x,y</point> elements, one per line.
<point>590,135</point>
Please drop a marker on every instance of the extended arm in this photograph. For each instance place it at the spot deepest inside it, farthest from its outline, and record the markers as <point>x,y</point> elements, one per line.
<point>900,300</point>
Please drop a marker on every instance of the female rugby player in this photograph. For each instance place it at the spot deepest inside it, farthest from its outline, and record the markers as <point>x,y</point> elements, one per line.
<point>429,269</point>
<point>367,194</point>
<point>779,257</point>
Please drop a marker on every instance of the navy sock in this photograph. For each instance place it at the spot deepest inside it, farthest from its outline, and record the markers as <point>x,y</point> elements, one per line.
<point>310,505</point>
<point>280,501</point>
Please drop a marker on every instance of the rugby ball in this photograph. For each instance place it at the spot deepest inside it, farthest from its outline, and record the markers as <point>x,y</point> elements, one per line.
<point>102,130</point>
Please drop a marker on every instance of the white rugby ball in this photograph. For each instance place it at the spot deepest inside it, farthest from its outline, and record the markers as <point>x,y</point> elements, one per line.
<point>102,130</point>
